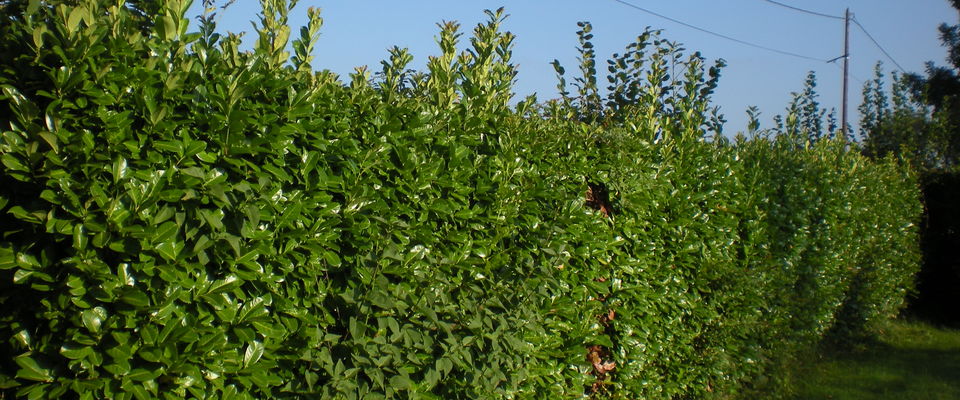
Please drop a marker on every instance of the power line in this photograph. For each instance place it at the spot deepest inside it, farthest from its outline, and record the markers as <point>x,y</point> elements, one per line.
<point>878,45</point>
<point>803,10</point>
<point>722,36</point>
<point>852,75</point>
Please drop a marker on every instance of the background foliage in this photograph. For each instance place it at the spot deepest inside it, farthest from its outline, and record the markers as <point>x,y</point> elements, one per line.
<point>183,218</point>
<point>918,120</point>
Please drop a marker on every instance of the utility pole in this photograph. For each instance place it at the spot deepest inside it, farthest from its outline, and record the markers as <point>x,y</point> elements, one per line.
<point>846,73</point>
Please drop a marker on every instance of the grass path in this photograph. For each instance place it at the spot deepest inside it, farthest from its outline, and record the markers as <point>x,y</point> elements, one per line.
<point>910,361</point>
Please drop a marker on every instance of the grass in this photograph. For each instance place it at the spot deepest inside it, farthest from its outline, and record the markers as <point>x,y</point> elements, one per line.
<point>910,360</point>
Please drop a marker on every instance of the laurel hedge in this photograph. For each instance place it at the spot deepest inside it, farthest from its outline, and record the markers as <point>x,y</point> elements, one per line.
<point>182,218</point>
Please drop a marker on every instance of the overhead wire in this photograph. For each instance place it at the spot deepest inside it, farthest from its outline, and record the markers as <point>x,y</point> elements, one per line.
<point>852,75</point>
<point>884,51</point>
<point>819,14</point>
<point>854,19</point>
<point>720,35</point>
<point>859,25</point>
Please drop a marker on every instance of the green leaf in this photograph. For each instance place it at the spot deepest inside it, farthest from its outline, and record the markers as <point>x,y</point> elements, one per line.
<point>8,259</point>
<point>23,337</point>
<point>165,232</point>
<point>444,365</point>
<point>74,352</point>
<point>80,238</point>
<point>119,169</point>
<point>27,261</point>
<point>249,258</point>
<point>50,196</point>
<point>223,285</point>
<point>52,140</point>
<point>32,7</point>
<point>290,215</point>
<point>234,243</point>
<point>380,299</point>
<point>73,20</point>
<point>202,243</point>
<point>194,147</point>
<point>99,195</point>
<point>195,172</point>
<point>400,382</point>
<point>332,258</point>
<point>6,382</point>
<point>13,163</point>
<point>77,286</point>
<point>252,309</point>
<point>207,157</point>
<point>118,366</point>
<point>22,214</point>
<point>138,391</point>
<point>277,172</point>
<point>25,109</point>
<point>93,318</point>
<point>31,370</point>
<point>150,353</point>
<point>135,297</point>
<point>170,250</point>
<point>432,377</point>
<point>125,274</point>
<point>252,354</point>
<point>22,276</point>
<point>253,215</point>
<point>229,393</point>
<point>175,147</point>
<point>169,25</point>
<point>213,217</point>
<point>142,374</point>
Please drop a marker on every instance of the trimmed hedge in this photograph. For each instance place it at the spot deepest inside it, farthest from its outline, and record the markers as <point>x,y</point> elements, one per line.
<point>184,219</point>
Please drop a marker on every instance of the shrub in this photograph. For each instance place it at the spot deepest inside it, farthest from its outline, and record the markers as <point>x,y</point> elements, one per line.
<point>182,218</point>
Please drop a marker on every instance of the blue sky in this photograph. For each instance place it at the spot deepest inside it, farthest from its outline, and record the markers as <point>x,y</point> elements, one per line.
<point>359,32</point>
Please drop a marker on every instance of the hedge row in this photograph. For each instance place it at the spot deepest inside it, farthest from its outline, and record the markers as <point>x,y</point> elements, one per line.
<point>184,219</point>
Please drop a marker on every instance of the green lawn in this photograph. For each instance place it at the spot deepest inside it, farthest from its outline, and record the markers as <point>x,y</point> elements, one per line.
<point>910,361</point>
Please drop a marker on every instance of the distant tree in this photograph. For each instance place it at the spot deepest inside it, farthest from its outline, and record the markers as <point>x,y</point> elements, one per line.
<point>898,122</point>
<point>805,120</point>
<point>941,83</point>
<point>938,89</point>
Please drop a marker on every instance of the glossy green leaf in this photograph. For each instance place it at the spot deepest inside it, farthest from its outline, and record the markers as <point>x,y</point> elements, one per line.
<point>80,238</point>
<point>138,391</point>
<point>75,352</point>
<point>252,309</point>
<point>119,169</point>
<point>31,370</point>
<point>13,163</point>
<point>170,249</point>
<point>135,297</point>
<point>142,374</point>
<point>93,318</point>
<point>252,353</point>
<point>166,232</point>
<point>22,276</point>
<point>213,217</point>
<point>51,140</point>
<point>332,259</point>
